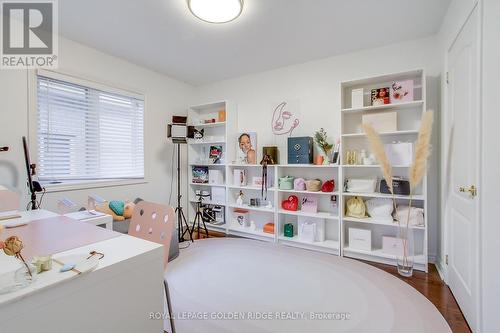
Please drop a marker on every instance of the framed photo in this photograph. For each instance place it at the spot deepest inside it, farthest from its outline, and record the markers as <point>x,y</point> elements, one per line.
<point>200,175</point>
<point>402,91</point>
<point>215,154</point>
<point>380,96</point>
<point>246,148</point>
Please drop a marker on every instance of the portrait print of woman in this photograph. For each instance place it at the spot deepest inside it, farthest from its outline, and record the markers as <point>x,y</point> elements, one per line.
<point>247,143</point>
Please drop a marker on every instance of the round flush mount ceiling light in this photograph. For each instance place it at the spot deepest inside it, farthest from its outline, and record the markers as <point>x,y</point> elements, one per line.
<point>216,11</point>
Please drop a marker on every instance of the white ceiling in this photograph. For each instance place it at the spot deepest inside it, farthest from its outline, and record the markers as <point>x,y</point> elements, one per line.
<point>164,36</point>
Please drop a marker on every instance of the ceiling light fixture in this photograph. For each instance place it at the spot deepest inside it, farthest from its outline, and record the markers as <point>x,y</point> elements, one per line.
<point>216,11</point>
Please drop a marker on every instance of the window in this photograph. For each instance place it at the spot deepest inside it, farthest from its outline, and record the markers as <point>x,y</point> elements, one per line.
<point>87,134</point>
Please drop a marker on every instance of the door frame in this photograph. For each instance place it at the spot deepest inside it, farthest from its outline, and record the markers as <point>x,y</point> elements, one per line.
<point>445,131</point>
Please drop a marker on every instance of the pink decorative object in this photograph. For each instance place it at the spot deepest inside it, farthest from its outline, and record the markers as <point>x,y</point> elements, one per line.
<point>402,91</point>
<point>283,121</point>
<point>299,184</point>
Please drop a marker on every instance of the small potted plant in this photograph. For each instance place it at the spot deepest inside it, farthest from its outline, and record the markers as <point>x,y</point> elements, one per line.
<point>321,140</point>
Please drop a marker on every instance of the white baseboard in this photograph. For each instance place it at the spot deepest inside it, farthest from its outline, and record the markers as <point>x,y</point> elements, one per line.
<point>441,268</point>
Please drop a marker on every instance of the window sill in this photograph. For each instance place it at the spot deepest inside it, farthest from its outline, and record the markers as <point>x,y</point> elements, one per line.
<point>82,185</point>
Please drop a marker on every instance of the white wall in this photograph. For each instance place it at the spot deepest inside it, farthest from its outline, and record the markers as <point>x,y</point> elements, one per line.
<point>490,181</point>
<point>316,86</point>
<point>164,97</point>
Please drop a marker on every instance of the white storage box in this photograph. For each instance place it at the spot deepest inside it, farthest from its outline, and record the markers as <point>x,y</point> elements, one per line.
<point>357,98</point>
<point>360,239</point>
<point>219,195</point>
<point>239,177</point>
<point>361,185</point>
<point>400,153</point>
<point>392,245</point>
<point>382,121</point>
<point>215,177</point>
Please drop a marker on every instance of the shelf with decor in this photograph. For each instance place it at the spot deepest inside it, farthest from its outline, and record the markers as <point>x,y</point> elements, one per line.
<point>208,202</point>
<point>207,184</point>
<point>384,258</point>
<point>212,124</point>
<point>238,230</point>
<point>370,220</point>
<point>376,166</point>
<point>249,187</point>
<point>254,208</point>
<point>411,132</point>
<point>308,166</point>
<point>393,104</point>
<point>401,106</point>
<point>309,192</point>
<point>328,246</point>
<point>322,215</point>
<point>208,165</point>
<point>416,197</point>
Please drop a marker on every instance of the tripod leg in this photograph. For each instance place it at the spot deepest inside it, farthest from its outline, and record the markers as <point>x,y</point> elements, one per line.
<point>187,230</point>
<point>205,226</point>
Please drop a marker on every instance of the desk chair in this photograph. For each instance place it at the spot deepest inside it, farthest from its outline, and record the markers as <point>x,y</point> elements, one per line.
<point>155,223</point>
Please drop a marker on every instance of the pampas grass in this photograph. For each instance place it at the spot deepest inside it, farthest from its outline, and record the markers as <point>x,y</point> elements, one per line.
<point>422,150</point>
<point>378,150</point>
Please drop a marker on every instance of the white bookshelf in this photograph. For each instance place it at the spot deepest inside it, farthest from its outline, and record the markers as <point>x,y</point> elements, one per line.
<point>336,224</point>
<point>217,133</point>
<point>353,138</point>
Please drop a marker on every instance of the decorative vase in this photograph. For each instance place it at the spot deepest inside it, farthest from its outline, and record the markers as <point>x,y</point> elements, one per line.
<point>22,276</point>
<point>406,257</point>
<point>319,159</point>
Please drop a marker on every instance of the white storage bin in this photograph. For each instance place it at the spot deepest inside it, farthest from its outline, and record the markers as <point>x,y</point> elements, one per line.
<point>360,239</point>
<point>215,177</point>
<point>219,195</point>
<point>382,122</point>
<point>392,245</point>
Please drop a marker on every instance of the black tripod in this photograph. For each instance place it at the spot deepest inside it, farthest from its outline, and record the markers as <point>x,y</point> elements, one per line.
<point>181,218</point>
<point>198,219</point>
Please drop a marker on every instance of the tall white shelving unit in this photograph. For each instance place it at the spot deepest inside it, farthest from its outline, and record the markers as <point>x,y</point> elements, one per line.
<point>336,224</point>
<point>409,115</point>
<point>218,133</point>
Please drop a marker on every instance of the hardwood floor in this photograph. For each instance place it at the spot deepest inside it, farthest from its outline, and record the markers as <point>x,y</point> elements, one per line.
<point>428,284</point>
<point>435,290</point>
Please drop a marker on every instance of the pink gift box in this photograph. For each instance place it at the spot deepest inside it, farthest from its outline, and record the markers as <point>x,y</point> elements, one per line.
<point>309,204</point>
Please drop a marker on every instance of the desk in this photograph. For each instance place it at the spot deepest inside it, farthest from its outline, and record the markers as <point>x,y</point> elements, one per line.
<point>116,297</point>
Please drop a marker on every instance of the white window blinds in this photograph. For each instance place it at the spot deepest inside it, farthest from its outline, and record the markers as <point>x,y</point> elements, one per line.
<point>88,134</point>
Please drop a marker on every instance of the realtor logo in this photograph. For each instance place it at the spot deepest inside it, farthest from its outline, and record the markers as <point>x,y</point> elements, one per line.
<point>29,34</point>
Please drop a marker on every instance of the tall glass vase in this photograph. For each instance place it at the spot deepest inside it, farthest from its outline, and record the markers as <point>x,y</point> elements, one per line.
<point>406,257</point>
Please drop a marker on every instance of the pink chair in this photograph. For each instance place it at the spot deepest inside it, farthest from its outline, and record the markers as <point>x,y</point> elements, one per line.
<point>155,223</point>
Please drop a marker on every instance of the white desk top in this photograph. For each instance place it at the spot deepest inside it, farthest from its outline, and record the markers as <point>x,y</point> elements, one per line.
<point>116,250</point>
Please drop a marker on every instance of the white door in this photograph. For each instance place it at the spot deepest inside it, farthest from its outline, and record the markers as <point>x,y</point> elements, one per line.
<point>463,168</point>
